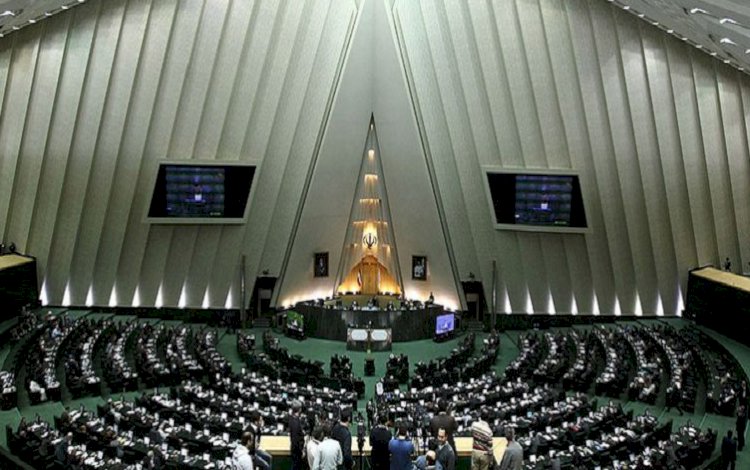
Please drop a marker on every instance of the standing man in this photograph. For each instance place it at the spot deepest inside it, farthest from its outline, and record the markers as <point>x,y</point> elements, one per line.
<point>741,425</point>
<point>380,437</point>
<point>262,458</point>
<point>445,455</point>
<point>296,437</point>
<point>401,449</point>
<point>329,455</point>
<point>481,450</point>
<point>341,433</point>
<point>728,451</point>
<point>513,456</point>
<point>311,448</point>
<point>444,420</point>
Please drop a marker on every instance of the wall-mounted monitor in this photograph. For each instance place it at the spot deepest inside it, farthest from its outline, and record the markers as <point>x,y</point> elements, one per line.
<point>536,200</point>
<point>201,193</point>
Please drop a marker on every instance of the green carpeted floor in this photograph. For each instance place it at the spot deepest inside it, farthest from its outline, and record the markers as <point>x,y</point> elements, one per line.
<point>322,350</point>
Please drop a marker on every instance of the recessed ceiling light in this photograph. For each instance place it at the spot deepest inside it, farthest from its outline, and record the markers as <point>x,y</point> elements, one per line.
<point>727,41</point>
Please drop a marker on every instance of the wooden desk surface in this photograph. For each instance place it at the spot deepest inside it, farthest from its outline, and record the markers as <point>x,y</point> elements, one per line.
<point>724,277</point>
<point>279,445</point>
<point>9,261</point>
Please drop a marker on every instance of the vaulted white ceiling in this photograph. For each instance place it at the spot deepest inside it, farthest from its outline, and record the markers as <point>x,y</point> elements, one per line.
<point>15,14</point>
<point>720,28</point>
<point>91,100</point>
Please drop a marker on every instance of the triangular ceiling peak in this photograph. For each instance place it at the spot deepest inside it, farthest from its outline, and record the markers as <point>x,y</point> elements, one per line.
<point>369,260</point>
<point>372,83</point>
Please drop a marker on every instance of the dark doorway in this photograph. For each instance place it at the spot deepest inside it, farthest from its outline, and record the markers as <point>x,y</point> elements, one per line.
<point>475,302</point>
<point>260,302</point>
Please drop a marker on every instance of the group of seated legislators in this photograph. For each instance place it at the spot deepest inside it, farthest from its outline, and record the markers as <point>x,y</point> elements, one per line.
<point>200,413</point>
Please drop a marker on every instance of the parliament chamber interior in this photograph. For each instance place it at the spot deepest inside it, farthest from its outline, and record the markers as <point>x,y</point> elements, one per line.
<point>374,234</point>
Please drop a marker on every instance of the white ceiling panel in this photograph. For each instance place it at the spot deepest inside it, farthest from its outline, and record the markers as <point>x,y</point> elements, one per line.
<point>720,28</point>
<point>15,14</point>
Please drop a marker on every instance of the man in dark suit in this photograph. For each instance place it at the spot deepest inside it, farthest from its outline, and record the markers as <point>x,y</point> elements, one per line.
<point>61,451</point>
<point>729,451</point>
<point>740,427</point>
<point>513,456</point>
<point>380,436</point>
<point>296,437</point>
<point>262,459</point>
<point>445,454</point>
<point>152,461</point>
<point>341,433</point>
<point>444,420</point>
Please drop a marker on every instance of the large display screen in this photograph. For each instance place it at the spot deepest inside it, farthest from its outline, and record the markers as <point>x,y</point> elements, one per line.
<point>548,200</point>
<point>201,191</point>
<point>295,322</point>
<point>445,323</point>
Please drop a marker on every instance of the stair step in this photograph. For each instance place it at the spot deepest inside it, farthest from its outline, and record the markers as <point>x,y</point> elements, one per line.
<point>262,322</point>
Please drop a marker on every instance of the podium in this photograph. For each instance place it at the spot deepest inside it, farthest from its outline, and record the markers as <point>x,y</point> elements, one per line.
<point>369,339</point>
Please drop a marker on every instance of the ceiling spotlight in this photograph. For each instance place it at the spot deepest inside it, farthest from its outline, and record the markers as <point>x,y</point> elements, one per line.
<point>10,13</point>
<point>727,20</point>
<point>727,41</point>
<point>693,11</point>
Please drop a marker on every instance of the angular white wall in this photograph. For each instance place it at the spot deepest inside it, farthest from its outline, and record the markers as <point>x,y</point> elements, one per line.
<point>373,82</point>
<point>657,130</point>
<point>94,97</point>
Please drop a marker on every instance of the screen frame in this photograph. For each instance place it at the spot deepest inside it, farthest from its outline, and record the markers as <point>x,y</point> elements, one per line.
<point>437,322</point>
<point>157,164</point>
<point>486,170</point>
<point>288,321</point>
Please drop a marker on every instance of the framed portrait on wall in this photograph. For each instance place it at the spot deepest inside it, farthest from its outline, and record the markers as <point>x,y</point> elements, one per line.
<point>419,268</point>
<point>321,264</point>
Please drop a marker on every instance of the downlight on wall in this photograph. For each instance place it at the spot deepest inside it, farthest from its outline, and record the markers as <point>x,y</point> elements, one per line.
<point>66,296</point>
<point>159,297</point>
<point>137,297</point>
<point>113,296</point>
<point>43,294</point>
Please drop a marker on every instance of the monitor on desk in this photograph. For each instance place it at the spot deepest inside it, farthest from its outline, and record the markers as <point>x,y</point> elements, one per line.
<point>445,323</point>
